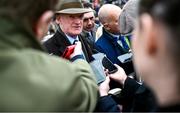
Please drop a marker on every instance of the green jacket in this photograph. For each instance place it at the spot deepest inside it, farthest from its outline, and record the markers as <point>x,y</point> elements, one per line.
<point>31,80</point>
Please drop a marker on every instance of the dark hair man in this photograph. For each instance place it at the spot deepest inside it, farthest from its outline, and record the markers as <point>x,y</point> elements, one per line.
<point>89,28</point>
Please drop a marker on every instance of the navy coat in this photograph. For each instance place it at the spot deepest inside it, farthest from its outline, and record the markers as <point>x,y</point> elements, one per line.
<point>106,44</point>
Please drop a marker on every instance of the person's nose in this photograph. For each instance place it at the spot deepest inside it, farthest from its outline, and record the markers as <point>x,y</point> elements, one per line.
<point>78,20</point>
<point>90,22</point>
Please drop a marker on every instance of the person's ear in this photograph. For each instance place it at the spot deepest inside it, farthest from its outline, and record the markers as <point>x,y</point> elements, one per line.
<point>106,26</point>
<point>150,35</point>
<point>43,23</point>
<point>58,19</point>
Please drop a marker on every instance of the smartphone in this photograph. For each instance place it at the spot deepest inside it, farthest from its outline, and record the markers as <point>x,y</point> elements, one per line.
<point>125,57</point>
<point>68,51</point>
<point>109,65</point>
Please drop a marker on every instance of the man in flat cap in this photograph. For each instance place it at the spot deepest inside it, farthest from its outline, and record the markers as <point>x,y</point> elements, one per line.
<point>70,20</point>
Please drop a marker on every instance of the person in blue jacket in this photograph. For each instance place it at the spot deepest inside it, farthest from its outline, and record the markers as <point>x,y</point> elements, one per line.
<point>111,42</point>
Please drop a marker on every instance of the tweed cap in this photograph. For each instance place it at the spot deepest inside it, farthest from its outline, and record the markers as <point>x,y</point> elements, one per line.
<point>128,17</point>
<point>71,7</point>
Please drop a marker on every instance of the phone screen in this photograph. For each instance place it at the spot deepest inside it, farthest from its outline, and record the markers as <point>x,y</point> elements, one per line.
<point>125,57</point>
<point>109,65</point>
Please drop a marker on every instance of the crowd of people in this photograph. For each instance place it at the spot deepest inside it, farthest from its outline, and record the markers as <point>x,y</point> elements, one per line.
<point>47,49</point>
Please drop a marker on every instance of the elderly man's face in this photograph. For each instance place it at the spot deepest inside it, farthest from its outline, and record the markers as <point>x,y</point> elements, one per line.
<point>113,22</point>
<point>88,21</point>
<point>71,24</point>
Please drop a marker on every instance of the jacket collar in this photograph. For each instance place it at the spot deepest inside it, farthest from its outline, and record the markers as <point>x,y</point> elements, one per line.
<point>72,39</point>
<point>108,35</point>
